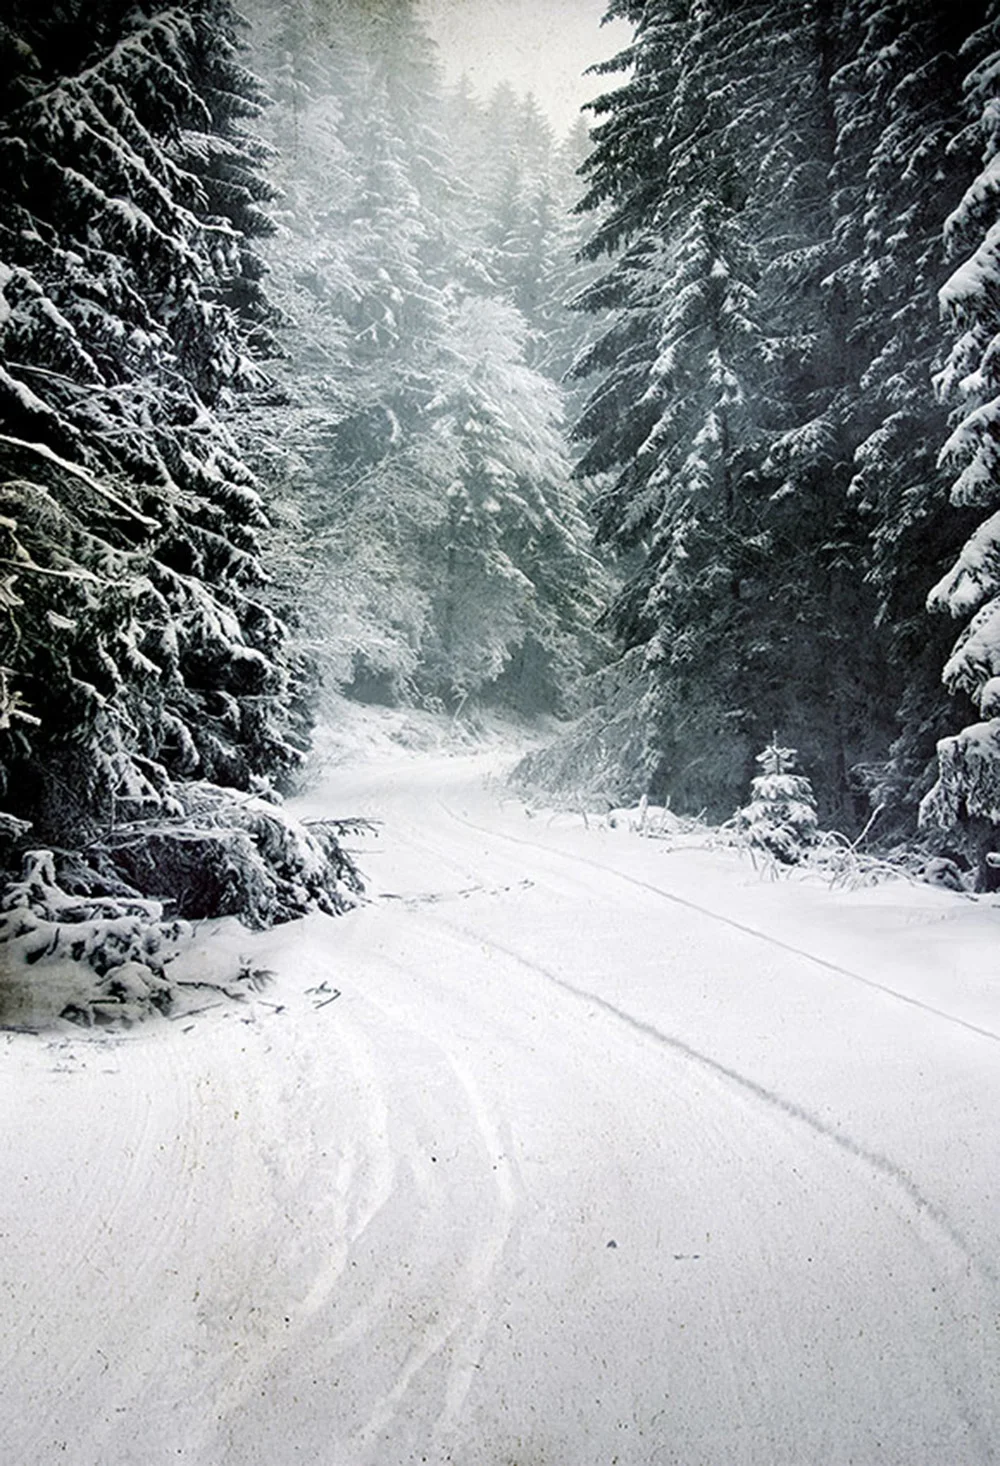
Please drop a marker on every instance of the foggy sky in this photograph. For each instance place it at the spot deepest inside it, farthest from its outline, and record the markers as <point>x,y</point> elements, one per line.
<point>541,46</point>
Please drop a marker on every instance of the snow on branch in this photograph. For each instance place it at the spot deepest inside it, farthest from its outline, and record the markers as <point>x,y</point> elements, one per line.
<point>968,782</point>
<point>975,576</point>
<point>976,656</point>
<point>42,450</point>
<point>92,959</point>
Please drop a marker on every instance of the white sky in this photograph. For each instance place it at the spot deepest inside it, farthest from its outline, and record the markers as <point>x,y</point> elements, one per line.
<point>539,46</point>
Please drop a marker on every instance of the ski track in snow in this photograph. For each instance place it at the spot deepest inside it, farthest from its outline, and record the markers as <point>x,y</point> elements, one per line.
<point>603,1155</point>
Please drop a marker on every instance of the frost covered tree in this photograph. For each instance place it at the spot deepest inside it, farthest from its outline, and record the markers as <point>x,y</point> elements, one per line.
<point>668,429</point>
<point>515,193</point>
<point>715,418</point>
<point>137,646</point>
<point>966,797</point>
<point>781,815</point>
<point>510,577</point>
<point>356,269</point>
<point>899,171</point>
<point>403,362</point>
<point>819,205</point>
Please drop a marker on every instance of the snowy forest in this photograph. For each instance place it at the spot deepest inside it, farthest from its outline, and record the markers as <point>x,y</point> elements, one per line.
<point>679,432</point>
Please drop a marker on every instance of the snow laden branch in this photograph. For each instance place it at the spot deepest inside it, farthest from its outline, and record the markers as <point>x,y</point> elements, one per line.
<point>142,664</point>
<point>965,798</point>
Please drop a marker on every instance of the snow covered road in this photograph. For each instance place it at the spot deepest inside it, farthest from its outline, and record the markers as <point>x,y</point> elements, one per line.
<point>572,1173</point>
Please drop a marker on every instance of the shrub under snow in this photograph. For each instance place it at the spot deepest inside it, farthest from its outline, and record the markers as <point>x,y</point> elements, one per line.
<point>79,941</point>
<point>233,854</point>
<point>92,958</point>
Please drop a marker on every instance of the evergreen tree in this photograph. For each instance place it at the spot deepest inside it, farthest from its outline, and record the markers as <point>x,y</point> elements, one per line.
<point>516,192</point>
<point>509,575</point>
<point>781,815</point>
<point>899,173</point>
<point>966,797</point>
<point>813,658</point>
<point>357,270</point>
<point>772,335</point>
<point>715,467</point>
<point>136,645</point>
<point>407,369</point>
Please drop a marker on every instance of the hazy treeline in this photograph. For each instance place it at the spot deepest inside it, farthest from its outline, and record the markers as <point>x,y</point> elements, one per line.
<point>291,391</point>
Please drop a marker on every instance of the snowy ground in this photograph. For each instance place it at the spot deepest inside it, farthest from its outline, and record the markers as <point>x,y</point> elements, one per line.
<point>572,1172</point>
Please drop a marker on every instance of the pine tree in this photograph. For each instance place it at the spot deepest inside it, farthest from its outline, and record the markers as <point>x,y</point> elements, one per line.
<point>407,367</point>
<point>562,330</point>
<point>358,273</point>
<point>781,815</point>
<point>966,797</point>
<point>510,576</point>
<point>900,171</point>
<point>675,423</point>
<point>822,198</point>
<point>136,646</point>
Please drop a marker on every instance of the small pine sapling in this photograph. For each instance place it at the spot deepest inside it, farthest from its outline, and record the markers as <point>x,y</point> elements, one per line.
<point>781,815</point>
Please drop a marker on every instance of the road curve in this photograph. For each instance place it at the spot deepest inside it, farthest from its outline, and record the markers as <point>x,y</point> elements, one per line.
<point>599,1157</point>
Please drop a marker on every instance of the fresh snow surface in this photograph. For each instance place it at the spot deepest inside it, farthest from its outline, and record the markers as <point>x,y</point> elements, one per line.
<point>607,1151</point>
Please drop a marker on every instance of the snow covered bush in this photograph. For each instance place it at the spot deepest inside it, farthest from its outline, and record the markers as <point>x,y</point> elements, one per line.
<point>91,958</point>
<point>781,815</point>
<point>78,940</point>
<point>234,854</point>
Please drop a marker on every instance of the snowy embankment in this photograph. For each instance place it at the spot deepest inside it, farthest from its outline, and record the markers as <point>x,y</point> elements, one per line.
<point>570,1147</point>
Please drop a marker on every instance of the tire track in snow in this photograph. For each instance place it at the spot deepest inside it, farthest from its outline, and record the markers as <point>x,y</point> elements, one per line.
<point>365,1176</point>
<point>869,1179</point>
<point>336,1205</point>
<point>376,1314</point>
<point>509,1192</point>
<point>931,1234</point>
<point>111,1268</point>
<point>729,921</point>
<point>468,1316</point>
<point>877,1161</point>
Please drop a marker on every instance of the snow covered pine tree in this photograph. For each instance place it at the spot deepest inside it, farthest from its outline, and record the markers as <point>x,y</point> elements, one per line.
<point>717,429</point>
<point>966,796</point>
<point>781,815</point>
<point>136,654</point>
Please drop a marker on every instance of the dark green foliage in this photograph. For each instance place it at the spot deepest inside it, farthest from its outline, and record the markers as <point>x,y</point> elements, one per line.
<point>964,800</point>
<point>715,425</point>
<point>901,167</point>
